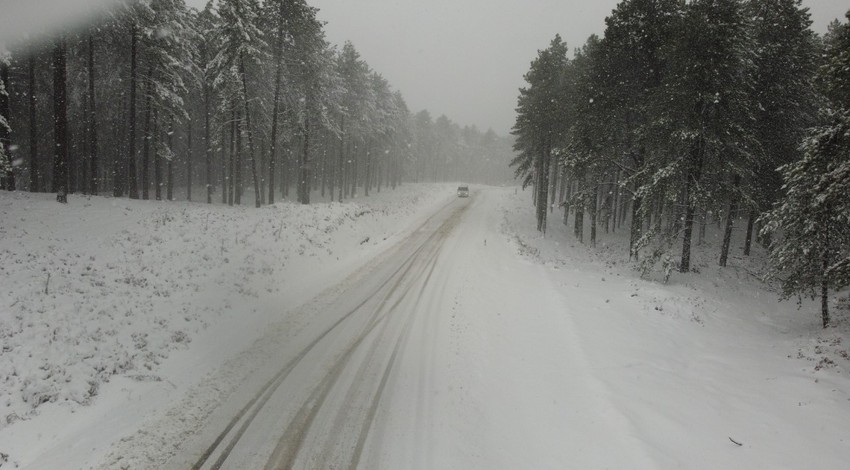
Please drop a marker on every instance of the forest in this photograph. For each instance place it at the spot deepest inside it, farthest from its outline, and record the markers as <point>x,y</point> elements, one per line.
<point>245,98</point>
<point>684,114</point>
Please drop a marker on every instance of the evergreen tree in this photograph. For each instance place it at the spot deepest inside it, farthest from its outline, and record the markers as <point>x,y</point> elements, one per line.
<point>313,82</point>
<point>709,115</point>
<point>590,139</point>
<point>240,45</point>
<point>785,62</point>
<point>541,122</point>
<point>35,180</point>
<point>354,75</point>
<point>812,223</point>
<point>60,119</point>
<point>136,82</point>
<point>634,61</point>
<point>167,53</point>
<point>7,175</point>
<point>205,26</point>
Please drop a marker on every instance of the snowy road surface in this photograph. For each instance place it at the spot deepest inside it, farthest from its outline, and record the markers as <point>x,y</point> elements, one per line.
<point>458,337</point>
<point>392,370</point>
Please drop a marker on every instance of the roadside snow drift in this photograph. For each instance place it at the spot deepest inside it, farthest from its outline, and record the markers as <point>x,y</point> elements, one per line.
<point>104,286</point>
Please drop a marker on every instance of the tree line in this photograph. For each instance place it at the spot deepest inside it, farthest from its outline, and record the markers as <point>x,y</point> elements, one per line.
<point>686,113</point>
<point>155,98</point>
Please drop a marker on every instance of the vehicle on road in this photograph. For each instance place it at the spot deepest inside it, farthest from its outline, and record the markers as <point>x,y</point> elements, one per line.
<point>463,191</point>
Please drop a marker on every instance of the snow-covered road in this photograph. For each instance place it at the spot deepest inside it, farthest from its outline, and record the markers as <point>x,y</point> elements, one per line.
<point>439,353</point>
<point>325,406</point>
<point>461,338</point>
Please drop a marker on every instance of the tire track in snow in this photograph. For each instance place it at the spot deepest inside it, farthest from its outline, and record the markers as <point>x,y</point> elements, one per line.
<point>402,340</point>
<point>249,412</point>
<point>287,451</point>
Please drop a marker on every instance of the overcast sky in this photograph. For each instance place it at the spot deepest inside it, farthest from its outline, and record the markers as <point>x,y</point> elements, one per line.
<point>466,58</point>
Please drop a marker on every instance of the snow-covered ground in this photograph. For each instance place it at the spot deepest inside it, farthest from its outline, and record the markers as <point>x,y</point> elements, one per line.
<point>521,351</point>
<point>143,298</point>
<point>706,359</point>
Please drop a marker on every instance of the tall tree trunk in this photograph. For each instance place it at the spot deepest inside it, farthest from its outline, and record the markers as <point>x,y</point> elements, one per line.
<point>605,200</point>
<point>824,291</point>
<point>686,239</point>
<point>578,228</point>
<point>636,227</point>
<point>368,181</point>
<point>748,242</point>
<point>207,144</point>
<point>189,160</point>
<point>131,157</point>
<point>7,178</point>
<point>118,174</point>
<point>169,178</point>
<point>691,181</point>
<point>237,177</point>
<point>273,134</point>
<point>730,218</point>
<point>249,134</point>
<point>35,185</point>
<point>553,186</point>
<point>224,160</point>
<point>333,169</point>
<point>352,171</point>
<point>60,120</point>
<point>341,166</point>
<point>262,165</point>
<point>383,169</point>
<point>231,180</point>
<point>593,209</point>
<point>83,146</point>
<point>613,200</point>
<point>323,175</point>
<point>146,142</point>
<point>304,167</point>
<point>93,162</point>
<point>286,171</point>
<point>346,169</point>
<point>157,157</point>
<point>278,73</point>
<point>542,188</point>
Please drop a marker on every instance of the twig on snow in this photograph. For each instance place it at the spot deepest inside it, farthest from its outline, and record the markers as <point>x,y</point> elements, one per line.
<point>736,442</point>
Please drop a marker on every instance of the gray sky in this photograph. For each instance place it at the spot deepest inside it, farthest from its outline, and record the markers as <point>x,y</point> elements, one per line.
<point>466,58</point>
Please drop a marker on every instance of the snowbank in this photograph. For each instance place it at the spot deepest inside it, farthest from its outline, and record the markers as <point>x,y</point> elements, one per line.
<point>707,359</point>
<point>104,286</point>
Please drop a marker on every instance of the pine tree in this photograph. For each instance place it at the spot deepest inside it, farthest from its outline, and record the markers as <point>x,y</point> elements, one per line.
<point>313,83</point>
<point>710,111</point>
<point>353,72</point>
<point>205,24</point>
<point>7,174</point>
<point>168,52</point>
<point>240,46</point>
<point>423,143</point>
<point>784,69</point>
<point>635,60</point>
<point>132,174</point>
<point>541,122</point>
<point>60,120</point>
<point>92,124</point>
<point>812,223</point>
<point>35,180</point>
<point>590,139</point>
